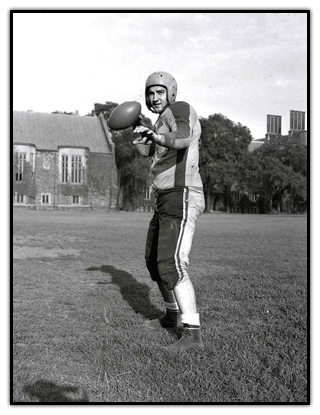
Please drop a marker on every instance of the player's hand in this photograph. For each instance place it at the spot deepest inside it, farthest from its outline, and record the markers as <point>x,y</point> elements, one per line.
<point>142,121</point>
<point>145,132</point>
<point>149,134</point>
<point>141,140</point>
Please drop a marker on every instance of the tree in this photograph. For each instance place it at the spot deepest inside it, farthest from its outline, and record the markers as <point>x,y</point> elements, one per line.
<point>66,113</point>
<point>104,109</point>
<point>292,152</point>
<point>278,168</point>
<point>132,168</point>
<point>223,151</point>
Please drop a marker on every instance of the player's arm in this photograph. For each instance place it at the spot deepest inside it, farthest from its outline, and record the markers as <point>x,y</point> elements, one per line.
<point>144,145</point>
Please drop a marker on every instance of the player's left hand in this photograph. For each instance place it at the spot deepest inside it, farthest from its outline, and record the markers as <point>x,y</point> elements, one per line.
<point>147,133</point>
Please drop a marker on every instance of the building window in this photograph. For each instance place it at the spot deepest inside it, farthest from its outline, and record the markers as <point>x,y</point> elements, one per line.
<point>32,161</point>
<point>20,166</point>
<point>254,196</point>
<point>45,198</point>
<point>20,198</point>
<point>71,167</point>
<point>76,169</point>
<point>147,193</point>
<point>64,169</point>
<point>75,200</point>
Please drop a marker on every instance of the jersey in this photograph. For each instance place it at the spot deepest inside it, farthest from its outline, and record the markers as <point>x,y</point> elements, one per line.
<point>176,164</point>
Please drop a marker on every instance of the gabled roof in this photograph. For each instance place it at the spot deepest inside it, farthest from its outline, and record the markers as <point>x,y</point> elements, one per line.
<point>49,131</point>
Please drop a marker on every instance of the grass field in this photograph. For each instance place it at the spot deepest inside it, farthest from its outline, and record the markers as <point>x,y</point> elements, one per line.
<point>81,294</point>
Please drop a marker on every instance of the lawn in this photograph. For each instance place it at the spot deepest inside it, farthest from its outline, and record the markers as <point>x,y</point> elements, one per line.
<point>81,295</point>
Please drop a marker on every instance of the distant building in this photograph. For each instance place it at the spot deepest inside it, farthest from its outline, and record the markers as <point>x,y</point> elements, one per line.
<point>149,199</point>
<point>273,130</point>
<point>297,127</point>
<point>62,161</point>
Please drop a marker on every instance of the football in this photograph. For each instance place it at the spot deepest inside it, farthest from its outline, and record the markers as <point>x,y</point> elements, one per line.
<point>125,115</point>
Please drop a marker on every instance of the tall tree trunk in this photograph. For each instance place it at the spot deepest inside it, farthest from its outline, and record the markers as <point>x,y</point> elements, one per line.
<point>293,203</point>
<point>119,189</point>
<point>227,199</point>
<point>208,196</point>
<point>208,201</point>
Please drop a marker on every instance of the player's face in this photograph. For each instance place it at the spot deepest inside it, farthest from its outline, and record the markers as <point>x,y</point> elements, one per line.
<point>157,96</point>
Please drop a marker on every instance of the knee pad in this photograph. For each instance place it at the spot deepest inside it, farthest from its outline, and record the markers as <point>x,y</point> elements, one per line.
<point>171,274</point>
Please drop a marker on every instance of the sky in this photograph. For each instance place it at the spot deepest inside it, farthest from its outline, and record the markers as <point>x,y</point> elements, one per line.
<point>242,65</point>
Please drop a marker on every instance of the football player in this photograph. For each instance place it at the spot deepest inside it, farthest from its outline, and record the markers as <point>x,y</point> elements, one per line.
<point>173,144</point>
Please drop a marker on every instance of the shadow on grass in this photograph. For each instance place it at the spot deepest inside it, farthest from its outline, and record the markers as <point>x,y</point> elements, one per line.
<point>44,391</point>
<point>137,295</point>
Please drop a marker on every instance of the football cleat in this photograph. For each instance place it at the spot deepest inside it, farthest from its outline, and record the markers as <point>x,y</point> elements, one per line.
<point>190,339</point>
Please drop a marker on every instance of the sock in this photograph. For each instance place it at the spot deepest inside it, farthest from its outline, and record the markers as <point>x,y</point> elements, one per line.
<point>191,320</point>
<point>172,310</point>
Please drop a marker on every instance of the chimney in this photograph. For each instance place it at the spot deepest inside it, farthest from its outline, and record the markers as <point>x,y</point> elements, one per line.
<point>297,121</point>
<point>273,126</point>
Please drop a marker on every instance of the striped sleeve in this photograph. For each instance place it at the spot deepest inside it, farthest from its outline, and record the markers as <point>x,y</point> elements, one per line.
<point>180,123</point>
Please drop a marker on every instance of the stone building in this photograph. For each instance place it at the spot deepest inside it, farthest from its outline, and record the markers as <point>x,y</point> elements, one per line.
<point>62,161</point>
